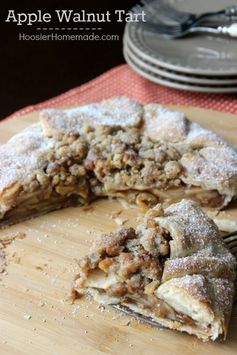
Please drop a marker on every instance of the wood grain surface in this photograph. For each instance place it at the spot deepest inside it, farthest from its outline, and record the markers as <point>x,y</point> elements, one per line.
<point>36,316</point>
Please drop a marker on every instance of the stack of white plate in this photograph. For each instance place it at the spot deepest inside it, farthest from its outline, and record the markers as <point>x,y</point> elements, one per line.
<point>204,63</point>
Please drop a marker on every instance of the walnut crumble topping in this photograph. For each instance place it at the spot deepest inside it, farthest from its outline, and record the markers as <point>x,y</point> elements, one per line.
<point>122,160</point>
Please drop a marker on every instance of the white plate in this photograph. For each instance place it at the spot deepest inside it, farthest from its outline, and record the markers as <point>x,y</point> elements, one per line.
<point>175,83</point>
<point>170,74</point>
<point>206,55</point>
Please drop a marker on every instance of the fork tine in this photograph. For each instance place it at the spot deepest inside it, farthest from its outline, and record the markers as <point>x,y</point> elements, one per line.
<point>162,29</point>
<point>230,240</point>
<point>138,316</point>
<point>233,249</point>
<point>231,234</point>
<point>232,244</point>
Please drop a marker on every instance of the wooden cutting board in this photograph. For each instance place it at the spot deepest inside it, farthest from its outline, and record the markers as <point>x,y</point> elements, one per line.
<point>35,314</point>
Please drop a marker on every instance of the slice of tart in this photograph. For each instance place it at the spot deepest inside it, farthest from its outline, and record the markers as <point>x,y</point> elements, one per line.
<point>142,154</point>
<point>174,268</point>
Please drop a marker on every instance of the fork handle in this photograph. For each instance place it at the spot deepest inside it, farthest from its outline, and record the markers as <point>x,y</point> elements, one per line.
<point>229,30</point>
<point>231,11</point>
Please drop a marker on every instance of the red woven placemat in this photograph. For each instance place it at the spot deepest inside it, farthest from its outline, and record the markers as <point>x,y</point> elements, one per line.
<point>122,80</point>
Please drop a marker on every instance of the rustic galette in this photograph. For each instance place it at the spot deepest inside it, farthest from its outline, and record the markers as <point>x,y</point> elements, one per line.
<point>144,154</point>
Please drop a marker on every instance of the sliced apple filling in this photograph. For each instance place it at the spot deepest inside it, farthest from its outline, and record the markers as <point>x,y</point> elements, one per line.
<point>55,179</point>
<point>150,197</point>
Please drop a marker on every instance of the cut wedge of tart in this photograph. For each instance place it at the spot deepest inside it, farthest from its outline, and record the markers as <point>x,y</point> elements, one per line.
<point>174,268</point>
<point>144,154</point>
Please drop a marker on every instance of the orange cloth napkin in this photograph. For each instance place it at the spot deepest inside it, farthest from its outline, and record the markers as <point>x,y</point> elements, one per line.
<point>122,80</point>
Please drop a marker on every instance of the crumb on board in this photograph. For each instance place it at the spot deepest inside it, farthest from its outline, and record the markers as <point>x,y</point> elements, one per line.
<point>4,242</point>
<point>101,308</point>
<point>40,267</point>
<point>88,208</point>
<point>8,239</point>
<point>41,303</point>
<point>120,221</point>
<point>15,257</point>
<point>3,263</point>
<point>115,214</point>
<point>27,316</point>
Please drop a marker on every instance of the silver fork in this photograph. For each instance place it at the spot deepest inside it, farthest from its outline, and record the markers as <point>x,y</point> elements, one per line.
<point>231,241</point>
<point>155,8</point>
<point>185,22</point>
<point>178,31</point>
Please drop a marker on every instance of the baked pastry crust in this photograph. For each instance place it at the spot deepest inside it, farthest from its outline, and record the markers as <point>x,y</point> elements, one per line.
<point>39,174</point>
<point>143,154</point>
<point>173,268</point>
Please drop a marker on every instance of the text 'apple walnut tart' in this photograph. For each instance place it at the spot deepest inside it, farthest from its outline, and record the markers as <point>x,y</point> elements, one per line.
<point>142,153</point>
<point>173,268</point>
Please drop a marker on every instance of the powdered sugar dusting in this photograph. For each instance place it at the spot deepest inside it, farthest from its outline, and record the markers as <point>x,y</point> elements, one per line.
<point>212,168</point>
<point>223,296</point>
<point>194,225</point>
<point>161,123</point>
<point>207,159</point>
<point>211,265</point>
<point>196,131</point>
<point>23,154</point>
<point>118,111</point>
<point>195,285</point>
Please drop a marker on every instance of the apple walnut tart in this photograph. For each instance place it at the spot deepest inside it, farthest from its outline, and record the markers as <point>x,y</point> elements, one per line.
<point>144,154</point>
<point>173,268</point>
